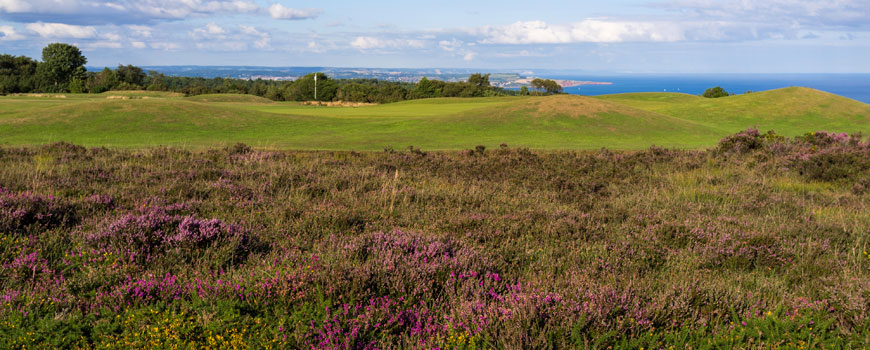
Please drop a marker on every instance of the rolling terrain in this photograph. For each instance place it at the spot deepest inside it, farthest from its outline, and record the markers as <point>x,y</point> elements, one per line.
<point>624,121</point>
<point>789,111</point>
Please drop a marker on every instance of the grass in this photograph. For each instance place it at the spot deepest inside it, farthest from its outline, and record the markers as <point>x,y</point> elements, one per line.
<point>629,121</point>
<point>789,111</point>
<point>749,246</point>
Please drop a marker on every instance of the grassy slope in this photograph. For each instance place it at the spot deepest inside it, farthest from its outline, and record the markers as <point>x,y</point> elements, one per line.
<point>546,122</point>
<point>628,121</point>
<point>789,111</point>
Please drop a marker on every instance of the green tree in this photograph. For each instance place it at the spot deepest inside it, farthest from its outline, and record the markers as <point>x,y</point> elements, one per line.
<point>103,81</point>
<point>303,88</point>
<point>17,74</point>
<point>547,86</point>
<point>426,88</point>
<point>156,81</point>
<point>716,92</point>
<point>274,93</point>
<point>61,63</point>
<point>132,76</point>
<point>524,90</point>
<point>357,92</point>
<point>552,87</point>
<point>479,80</point>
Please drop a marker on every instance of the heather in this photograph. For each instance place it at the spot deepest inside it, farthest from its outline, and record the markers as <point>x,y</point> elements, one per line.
<point>760,242</point>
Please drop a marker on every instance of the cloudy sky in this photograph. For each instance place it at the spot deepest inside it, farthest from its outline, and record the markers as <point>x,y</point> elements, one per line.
<point>690,36</point>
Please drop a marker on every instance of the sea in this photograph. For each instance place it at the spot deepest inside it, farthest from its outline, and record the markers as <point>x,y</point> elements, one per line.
<point>854,86</point>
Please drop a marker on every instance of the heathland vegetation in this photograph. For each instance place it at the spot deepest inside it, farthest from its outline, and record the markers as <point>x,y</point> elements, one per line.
<point>759,243</point>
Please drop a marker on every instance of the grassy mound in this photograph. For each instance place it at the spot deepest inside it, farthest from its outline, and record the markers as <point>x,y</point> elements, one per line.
<point>142,93</point>
<point>789,111</point>
<point>229,98</point>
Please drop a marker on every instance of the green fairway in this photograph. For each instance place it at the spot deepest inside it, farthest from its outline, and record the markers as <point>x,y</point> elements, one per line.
<point>626,121</point>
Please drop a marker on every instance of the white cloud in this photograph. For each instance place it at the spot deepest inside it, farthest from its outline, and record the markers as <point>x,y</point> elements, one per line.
<point>602,30</point>
<point>138,44</point>
<point>370,42</point>
<point>214,29</point>
<point>115,6</point>
<point>314,47</point>
<point>14,6</point>
<point>93,12</point>
<point>223,46</point>
<point>366,42</point>
<point>590,30</point>
<point>9,33</point>
<point>60,30</point>
<point>165,46</point>
<point>797,13</point>
<point>451,45</point>
<point>469,56</point>
<point>278,11</point>
<point>111,36</point>
<point>209,31</point>
<point>140,31</point>
<point>216,38</point>
<point>262,40</point>
<point>175,9</point>
<point>103,45</point>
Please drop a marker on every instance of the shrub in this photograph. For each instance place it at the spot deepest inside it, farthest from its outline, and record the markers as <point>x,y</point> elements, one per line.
<point>744,141</point>
<point>155,233</point>
<point>26,212</point>
<point>716,92</point>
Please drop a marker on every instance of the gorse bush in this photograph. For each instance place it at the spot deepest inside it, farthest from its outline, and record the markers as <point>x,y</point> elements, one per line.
<point>758,243</point>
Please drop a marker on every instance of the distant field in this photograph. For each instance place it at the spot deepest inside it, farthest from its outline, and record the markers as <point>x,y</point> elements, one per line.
<point>625,121</point>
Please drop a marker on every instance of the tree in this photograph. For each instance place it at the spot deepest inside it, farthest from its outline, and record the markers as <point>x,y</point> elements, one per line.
<point>552,87</point>
<point>103,81</point>
<point>547,85</point>
<point>61,63</point>
<point>274,93</point>
<point>357,92</point>
<point>17,74</point>
<point>479,80</point>
<point>156,81</point>
<point>426,88</point>
<point>524,90</point>
<point>131,75</point>
<point>716,92</point>
<point>303,88</point>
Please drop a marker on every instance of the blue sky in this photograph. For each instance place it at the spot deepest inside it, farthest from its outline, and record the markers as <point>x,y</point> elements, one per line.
<point>651,36</point>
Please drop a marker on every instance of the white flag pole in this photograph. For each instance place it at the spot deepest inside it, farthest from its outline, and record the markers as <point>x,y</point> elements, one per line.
<point>315,86</point>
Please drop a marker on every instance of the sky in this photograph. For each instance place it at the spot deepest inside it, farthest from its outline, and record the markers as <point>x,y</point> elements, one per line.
<point>616,36</point>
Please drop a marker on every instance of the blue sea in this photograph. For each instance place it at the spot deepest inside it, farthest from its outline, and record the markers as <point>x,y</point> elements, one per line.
<point>854,86</point>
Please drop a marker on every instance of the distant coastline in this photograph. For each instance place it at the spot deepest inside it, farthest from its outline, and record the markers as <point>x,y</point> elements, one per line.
<point>563,82</point>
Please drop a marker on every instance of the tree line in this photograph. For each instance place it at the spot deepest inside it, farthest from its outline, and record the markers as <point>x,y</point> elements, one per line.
<point>62,69</point>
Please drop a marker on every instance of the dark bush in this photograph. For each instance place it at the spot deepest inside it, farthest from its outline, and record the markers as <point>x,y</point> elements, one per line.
<point>742,142</point>
<point>26,212</point>
<point>716,92</point>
